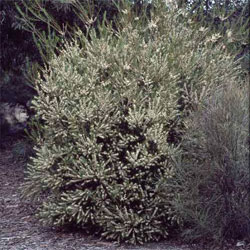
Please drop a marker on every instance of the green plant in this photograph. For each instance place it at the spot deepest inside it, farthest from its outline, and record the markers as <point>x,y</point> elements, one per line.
<point>108,102</point>
<point>213,175</point>
<point>228,18</point>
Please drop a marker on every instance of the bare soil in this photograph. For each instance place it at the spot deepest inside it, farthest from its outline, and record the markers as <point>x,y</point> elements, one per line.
<point>19,229</point>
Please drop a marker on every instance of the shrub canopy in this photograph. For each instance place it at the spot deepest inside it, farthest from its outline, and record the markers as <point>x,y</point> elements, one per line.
<point>108,102</point>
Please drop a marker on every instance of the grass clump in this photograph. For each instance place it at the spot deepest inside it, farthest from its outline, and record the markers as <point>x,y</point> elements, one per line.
<point>213,175</point>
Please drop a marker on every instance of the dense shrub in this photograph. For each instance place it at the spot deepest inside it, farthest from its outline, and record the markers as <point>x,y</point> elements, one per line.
<point>213,175</point>
<point>109,101</point>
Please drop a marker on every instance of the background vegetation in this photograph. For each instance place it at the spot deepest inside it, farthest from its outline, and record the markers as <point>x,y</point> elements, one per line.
<point>213,173</point>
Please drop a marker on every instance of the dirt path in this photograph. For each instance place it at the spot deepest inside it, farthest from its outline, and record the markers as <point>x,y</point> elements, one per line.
<point>19,229</point>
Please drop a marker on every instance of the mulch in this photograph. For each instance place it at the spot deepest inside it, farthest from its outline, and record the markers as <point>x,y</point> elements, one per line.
<point>20,230</point>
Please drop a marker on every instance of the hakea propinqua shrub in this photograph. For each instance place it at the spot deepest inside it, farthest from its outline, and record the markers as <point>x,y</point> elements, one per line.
<point>108,103</point>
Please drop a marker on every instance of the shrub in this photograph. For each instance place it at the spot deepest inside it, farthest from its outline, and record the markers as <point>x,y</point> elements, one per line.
<point>109,101</point>
<point>213,175</point>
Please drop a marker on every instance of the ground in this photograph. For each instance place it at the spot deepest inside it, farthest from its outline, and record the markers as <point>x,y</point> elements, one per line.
<point>19,229</point>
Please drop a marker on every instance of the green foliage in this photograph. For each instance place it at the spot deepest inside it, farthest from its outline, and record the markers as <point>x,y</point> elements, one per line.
<point>52,21</point>
<point>229,18</point>
<point>109,100</point>
<point>213,175</point>
<point>26,32</point>
<point>25,37</point>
